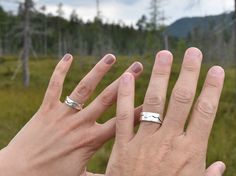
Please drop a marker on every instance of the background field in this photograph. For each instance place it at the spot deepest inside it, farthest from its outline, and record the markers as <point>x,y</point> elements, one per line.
<point>18,104</point>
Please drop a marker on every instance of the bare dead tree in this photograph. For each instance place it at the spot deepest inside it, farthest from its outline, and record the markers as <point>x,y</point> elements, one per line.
<point>60,14</point>
<point>28,4</point>
<point>44,9</point>
<point>98,9</point>
<point>163,19</point>
<point>155,14</point>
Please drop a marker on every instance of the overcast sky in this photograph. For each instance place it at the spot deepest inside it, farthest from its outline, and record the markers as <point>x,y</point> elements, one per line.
<point>129,11</point>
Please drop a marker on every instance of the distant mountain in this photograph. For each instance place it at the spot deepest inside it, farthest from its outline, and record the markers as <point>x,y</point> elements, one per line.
<point>182,27</point>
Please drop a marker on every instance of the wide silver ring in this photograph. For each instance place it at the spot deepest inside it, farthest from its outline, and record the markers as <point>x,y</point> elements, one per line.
<point>73,104</point>
<point>150,117</point>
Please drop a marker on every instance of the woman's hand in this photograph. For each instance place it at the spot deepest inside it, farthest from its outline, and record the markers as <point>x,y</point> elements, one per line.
<point>170,149</point>
<point>59,140</point>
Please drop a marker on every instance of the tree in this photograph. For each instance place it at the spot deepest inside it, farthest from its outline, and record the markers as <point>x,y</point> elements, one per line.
<point>74,17</point>
<point>98,16</point>
<point>44,9</point>
<point>28,5</point>
<point>142,23</point>
<point>60,14</point>
<point>235,30</point>
<point>2,21</point>
<point>154,14</point>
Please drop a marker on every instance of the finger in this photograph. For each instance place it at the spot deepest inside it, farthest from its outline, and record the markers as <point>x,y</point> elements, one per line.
<point>92,174</point>
<point>216,169</point>
<point>85,173</point>
<point>88,84</point>
<point>108,97</point>
<point>183,93</point>
<point>156,94</point>
<point>107,130</point>
<point>55,86</point>
<point>205,109</point>
<point>125,109</point>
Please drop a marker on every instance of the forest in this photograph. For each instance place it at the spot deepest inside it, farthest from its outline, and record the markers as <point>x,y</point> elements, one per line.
<point>55,35</point>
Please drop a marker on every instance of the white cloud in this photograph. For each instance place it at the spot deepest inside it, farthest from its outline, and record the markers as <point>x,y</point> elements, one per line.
<point>129,11</point>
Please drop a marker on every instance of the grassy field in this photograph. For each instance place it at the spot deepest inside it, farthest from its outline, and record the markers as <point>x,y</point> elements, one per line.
<point>17,104</point>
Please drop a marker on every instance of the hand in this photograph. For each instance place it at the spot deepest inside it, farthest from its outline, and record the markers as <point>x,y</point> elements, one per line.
<point>59,140</point>
<point>170,149</point>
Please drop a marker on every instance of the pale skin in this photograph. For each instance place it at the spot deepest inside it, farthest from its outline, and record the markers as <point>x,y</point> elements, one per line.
<point>59,140</point>
<point>170,149</point>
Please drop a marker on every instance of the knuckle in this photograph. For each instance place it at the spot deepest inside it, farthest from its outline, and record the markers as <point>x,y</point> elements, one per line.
<point>183,95</point>
<point>100,69</point>
<point>124,93</point>
<point>123,116</point>
<point>156,101</point>
<point>107,98</point>
<point>211,83</point>
<point>55,83</point>
<point>190,67</point>
<point>205,108</point>
<point>162,72</point>
<point>83,89</point>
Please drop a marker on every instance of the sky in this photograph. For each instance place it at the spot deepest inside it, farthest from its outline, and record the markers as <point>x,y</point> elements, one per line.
<point>129,11</point>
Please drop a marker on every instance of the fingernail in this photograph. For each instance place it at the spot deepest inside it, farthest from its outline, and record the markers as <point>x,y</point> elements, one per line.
<point>164,58</point>
<point>194,53</point>
<point>217,71</point>
<point>109,60</point>
<point>67,57</point>
<point>136,68</point>
<point>127,77</point>
<point>222,168</point>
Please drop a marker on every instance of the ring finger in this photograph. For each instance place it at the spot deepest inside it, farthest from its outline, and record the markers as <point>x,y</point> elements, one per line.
<point>88,84</point>
<point>156,94</point>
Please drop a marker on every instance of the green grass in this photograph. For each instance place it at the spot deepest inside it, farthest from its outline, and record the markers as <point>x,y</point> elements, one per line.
<point>17,104</point>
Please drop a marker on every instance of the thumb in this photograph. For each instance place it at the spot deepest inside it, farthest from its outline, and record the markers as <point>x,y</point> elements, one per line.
<point>216,169</point>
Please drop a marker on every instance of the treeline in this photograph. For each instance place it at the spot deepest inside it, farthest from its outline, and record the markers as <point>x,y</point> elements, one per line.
<point>52,35</point>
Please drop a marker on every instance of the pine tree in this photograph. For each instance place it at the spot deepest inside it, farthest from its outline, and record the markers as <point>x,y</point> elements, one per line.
<point>142,23</point>
<point>74,17</point>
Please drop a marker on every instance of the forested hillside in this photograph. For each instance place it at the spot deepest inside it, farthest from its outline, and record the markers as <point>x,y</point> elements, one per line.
<point>182,27</point>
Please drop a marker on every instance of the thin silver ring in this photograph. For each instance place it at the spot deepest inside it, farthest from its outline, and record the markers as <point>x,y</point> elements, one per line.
<point>150,117</point>
<point>73,104</point>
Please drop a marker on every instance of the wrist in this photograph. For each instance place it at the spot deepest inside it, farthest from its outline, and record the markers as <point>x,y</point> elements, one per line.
<point>4,163</point>
<point>9,164</point>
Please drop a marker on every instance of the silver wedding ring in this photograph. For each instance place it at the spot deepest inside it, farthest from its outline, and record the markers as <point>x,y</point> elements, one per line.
<point>73,104</point>
<point>150,117</point>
